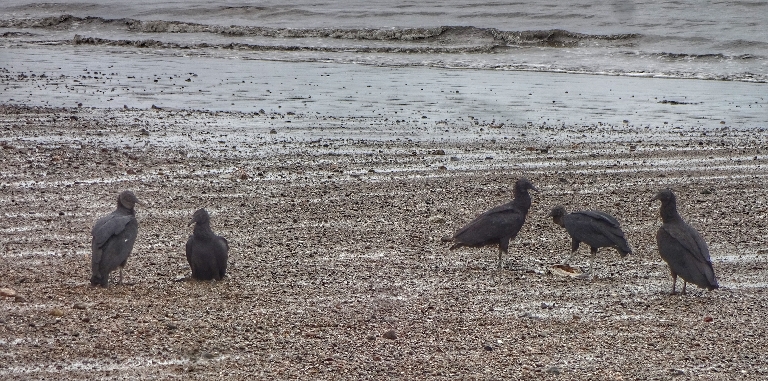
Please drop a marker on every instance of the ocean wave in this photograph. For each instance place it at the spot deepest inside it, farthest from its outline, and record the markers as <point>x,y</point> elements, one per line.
<point>693,56</point>
<point>17,34</point>
<point>352,55</point>
<point>449,47</point>
<point>548,38</point>
<point>151,43</point>
<point>419,49</point>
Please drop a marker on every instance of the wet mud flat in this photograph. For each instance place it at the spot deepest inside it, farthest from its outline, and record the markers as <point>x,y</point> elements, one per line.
<point>336,265</point>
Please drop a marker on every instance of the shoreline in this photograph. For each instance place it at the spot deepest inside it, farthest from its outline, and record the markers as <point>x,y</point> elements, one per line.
<point>107,79</point>
<point>334,225</point>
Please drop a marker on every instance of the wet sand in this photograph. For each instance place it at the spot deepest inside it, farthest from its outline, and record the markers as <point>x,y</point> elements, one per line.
<point>335,225</point>
<point>55,76</point>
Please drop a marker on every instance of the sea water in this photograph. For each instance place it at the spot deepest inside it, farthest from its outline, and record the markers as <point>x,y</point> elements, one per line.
<point>684,63</point>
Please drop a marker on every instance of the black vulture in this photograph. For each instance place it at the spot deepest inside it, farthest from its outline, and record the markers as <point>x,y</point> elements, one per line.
<point>681,246</point>
<point>206,252</point>
<point>499,225</point>
<point>112,240</point>
<point>593,227</point>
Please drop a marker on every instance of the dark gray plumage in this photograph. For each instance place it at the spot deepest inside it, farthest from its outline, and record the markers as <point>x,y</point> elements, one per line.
<point>206,252</point>
<point>681,246</point>
<point>499,225</point>
<point>112,239</point>
<point>593,227</point>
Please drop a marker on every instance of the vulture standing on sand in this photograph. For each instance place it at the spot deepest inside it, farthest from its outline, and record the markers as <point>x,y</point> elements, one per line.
<point>112,240</point>
<point>499,225</point>
<point>682,247</point>
<point>206,252</point>
<point>595,228</point>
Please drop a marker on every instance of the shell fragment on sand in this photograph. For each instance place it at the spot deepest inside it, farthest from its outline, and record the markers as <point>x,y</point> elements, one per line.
<point>565,270</point>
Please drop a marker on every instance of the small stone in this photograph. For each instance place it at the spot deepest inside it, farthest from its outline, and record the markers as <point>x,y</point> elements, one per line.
<point>130,171</point>
<point>454,158</point>
<point>19,299</point>
<point>487,347</point>
<point>171,326</point>
<point>444,168</point>
<point>9,292</point>
<point>437,219</point>
<point>273,131</point>
<point>144,132</point>
<point>438,152</point>
<point>56,312</point>
<point>708,319</point>
<point>80,306</point>
<point>391,334</point>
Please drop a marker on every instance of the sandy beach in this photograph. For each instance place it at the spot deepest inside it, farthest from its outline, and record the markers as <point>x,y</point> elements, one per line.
<point>336,265</point>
